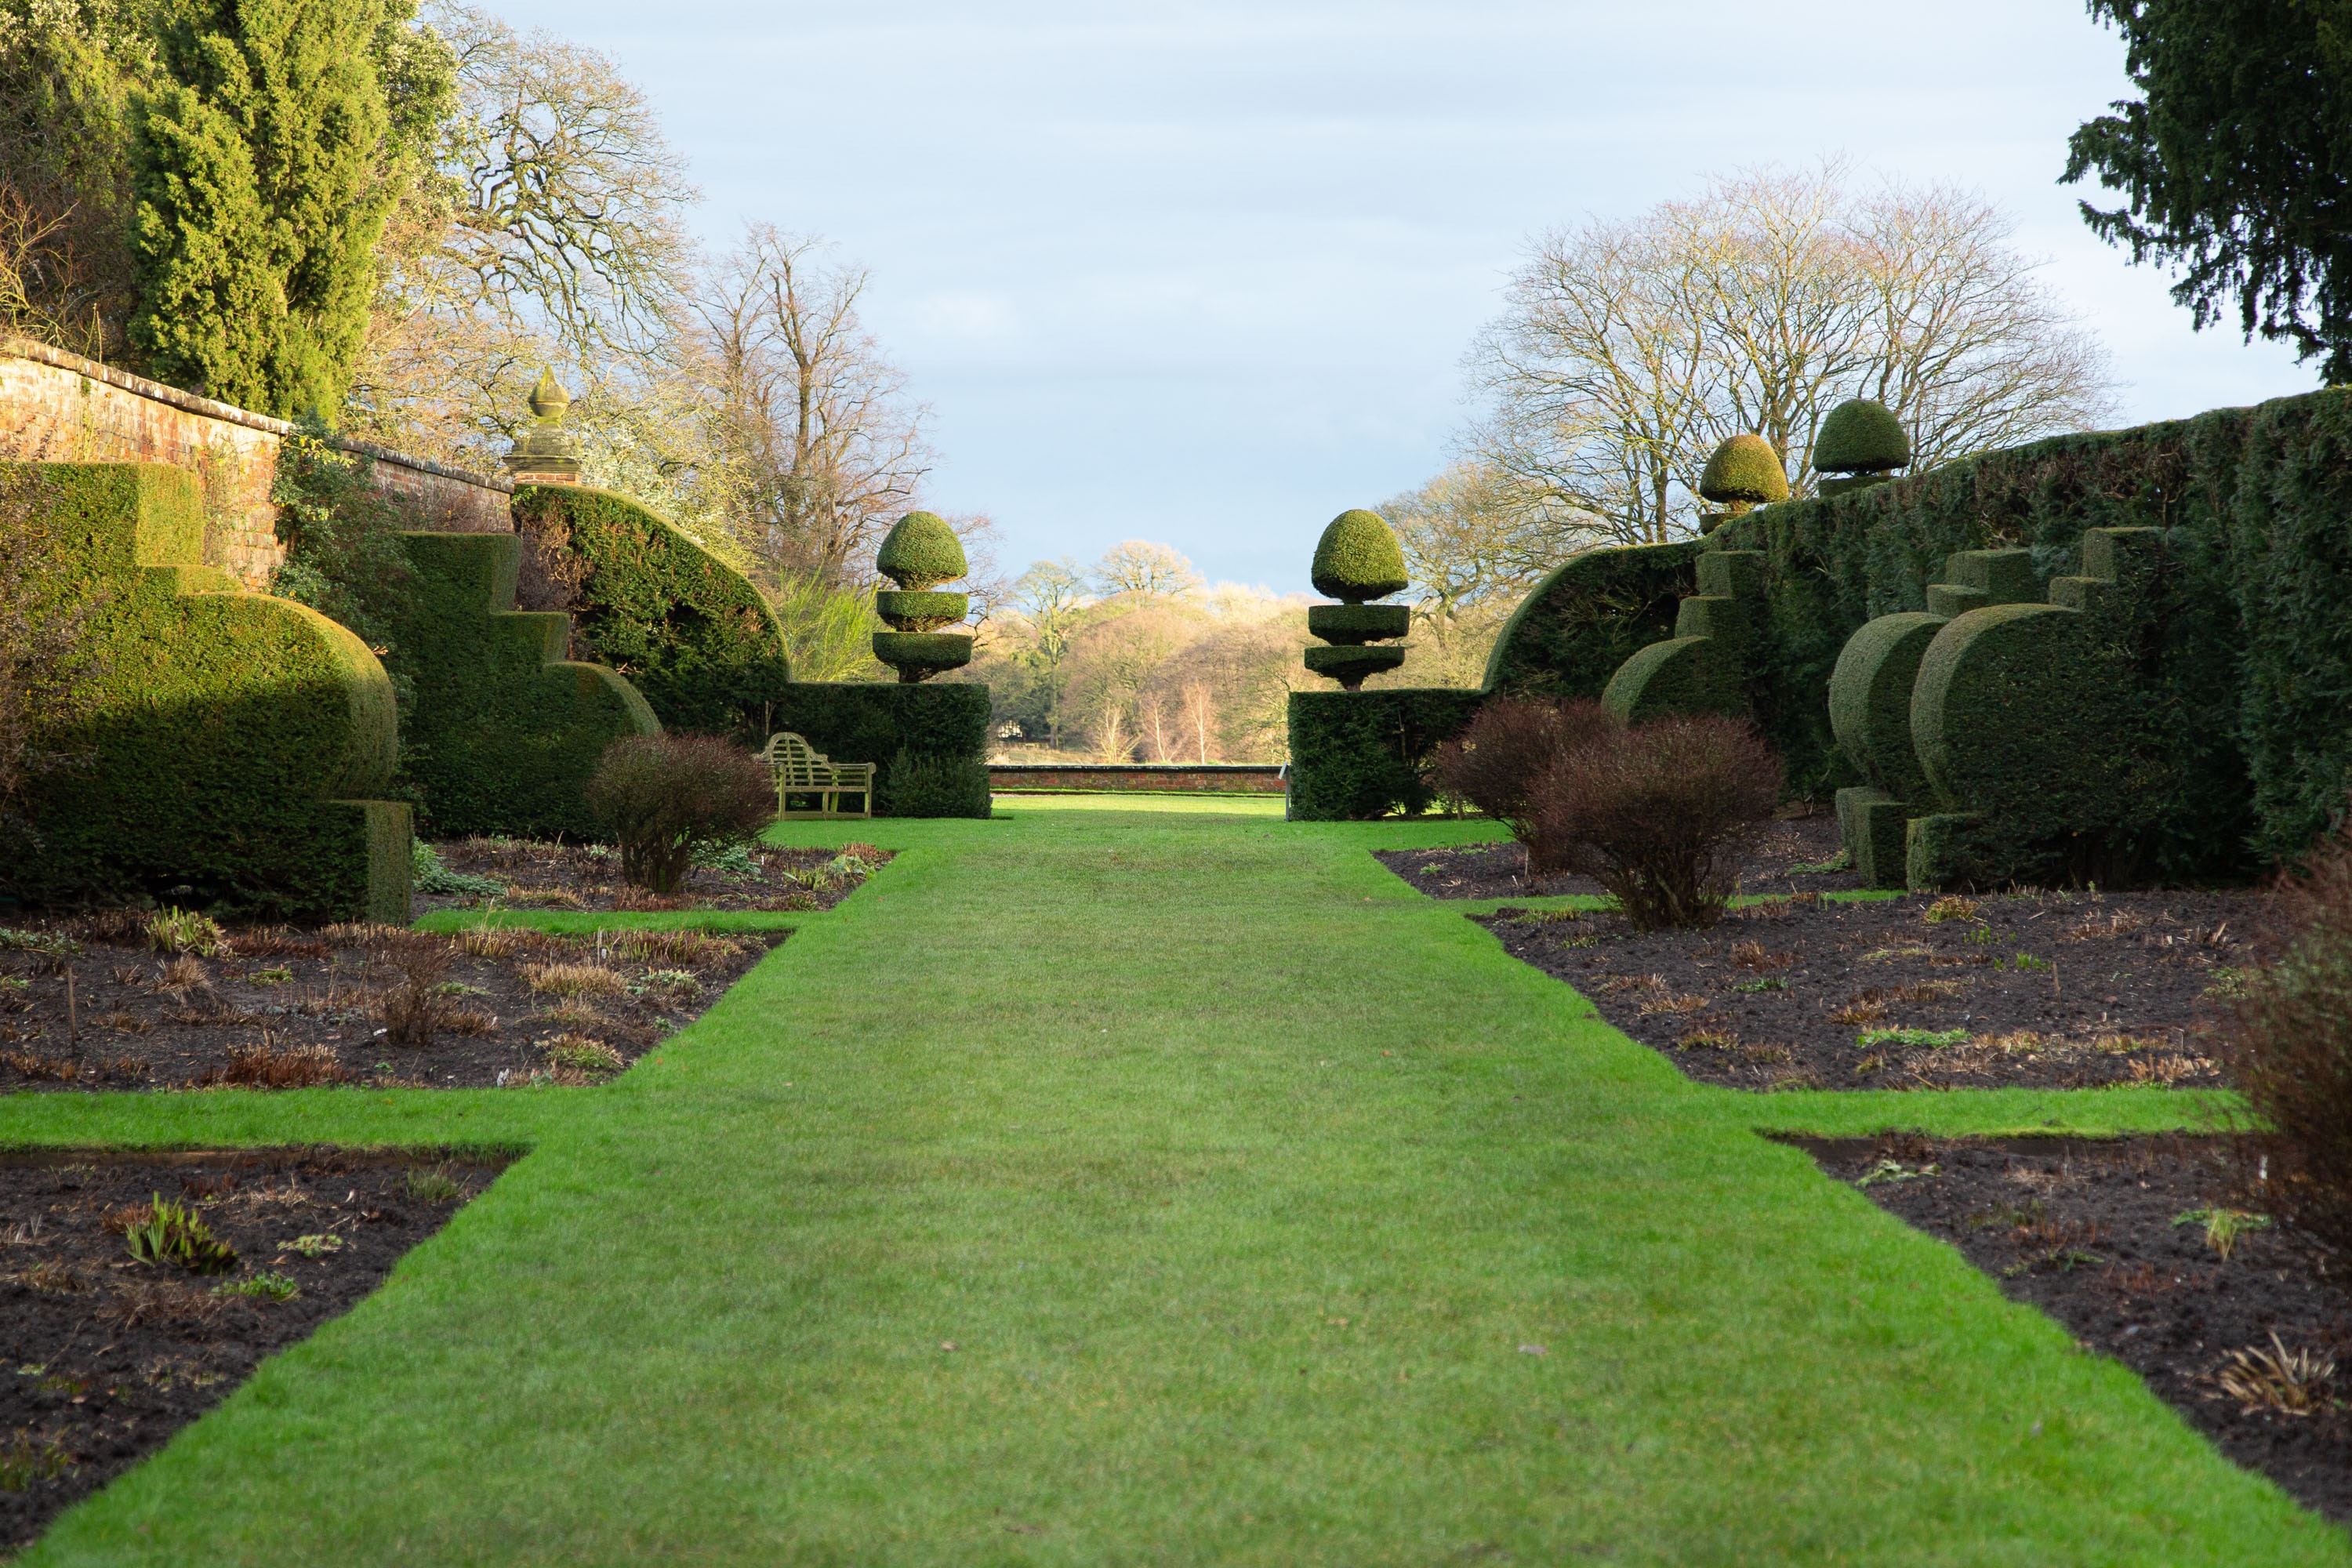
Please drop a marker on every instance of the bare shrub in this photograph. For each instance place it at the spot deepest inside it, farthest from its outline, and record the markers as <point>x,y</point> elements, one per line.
<point>264,1066</point>
<point>1657,813</point>
<point>415,1008</point>
<point>1504,752</point>
<point>667,797</point>
<point>2287,1044</point>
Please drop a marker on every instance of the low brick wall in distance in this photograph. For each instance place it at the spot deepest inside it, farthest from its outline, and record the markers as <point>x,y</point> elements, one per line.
<point>1181,778</point>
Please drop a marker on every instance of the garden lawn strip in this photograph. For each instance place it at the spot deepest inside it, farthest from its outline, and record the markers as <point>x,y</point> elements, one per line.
<point>1104,1183</point>
<point>2065,990</point>
<point>291,1008</point>
<point>2138,1247</point>
<point>527,874</point>
<point>106,1356</point>
<point>1792,854</point>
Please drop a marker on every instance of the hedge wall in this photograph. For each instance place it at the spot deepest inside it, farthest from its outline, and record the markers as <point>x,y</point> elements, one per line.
<point>1569,636</point>
<point>929,740</point>
<point>1356,754</point>
<point>2251,666</point>
<point>690,631</point>
<point>506,729</point>
<point>233,736</point>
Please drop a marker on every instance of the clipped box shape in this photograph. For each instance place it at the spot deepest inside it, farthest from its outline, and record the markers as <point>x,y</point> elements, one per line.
<point>510,729</point>
<point>1351,664</point>
<point>1870,700</point>
<point>1354,624</point>
<point>235,739</point>
<point>909,610</point>
<point>1874,823</point>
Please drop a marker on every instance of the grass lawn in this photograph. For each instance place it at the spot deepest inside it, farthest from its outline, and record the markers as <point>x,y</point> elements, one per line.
<point>1142,1182</point>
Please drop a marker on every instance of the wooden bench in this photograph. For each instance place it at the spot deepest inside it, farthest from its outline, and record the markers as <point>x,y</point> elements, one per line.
<point>800,771</point>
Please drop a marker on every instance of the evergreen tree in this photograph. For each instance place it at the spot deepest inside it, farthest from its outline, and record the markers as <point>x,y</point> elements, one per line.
<point>2237,163</point>
<point>265,165</point>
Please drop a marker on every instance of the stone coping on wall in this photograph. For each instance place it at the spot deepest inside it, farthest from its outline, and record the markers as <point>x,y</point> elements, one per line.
<point>1187,778</point>
<point>228,412</point>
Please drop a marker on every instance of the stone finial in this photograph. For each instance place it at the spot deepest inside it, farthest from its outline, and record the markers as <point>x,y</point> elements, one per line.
<point>546,454</point>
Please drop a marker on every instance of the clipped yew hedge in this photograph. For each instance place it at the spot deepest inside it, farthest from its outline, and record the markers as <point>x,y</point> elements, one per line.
<point>2249,668</point>
<point>929,740</point>
<point>690,631</point>
<point>234,740</point>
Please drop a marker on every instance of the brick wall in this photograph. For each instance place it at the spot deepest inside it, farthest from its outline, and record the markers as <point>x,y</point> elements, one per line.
<point>59,407</point>
<point>1213,778</point>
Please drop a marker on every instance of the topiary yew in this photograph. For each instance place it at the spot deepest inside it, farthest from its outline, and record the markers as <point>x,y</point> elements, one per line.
<point>1357,559</point>
<point>1860,437</point>
<point>921,553</point>
<point>1744,471</point>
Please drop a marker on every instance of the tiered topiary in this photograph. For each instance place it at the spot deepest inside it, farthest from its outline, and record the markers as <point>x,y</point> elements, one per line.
<point>1743,472</point>
<point>1357,560</point>
<point>921,553</point>
<point>1862,443</point>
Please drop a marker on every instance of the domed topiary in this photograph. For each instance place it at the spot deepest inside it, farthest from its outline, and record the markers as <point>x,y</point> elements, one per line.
<point>1358,559</point>
<point>1744,471</point>
<point>921,552</point>
<point>1861,438</point>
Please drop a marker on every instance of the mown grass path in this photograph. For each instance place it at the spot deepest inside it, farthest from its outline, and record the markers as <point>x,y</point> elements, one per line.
<point>1272,1215</point>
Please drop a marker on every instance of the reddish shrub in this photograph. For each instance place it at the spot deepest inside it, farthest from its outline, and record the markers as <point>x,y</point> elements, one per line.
<point>1657,814</point>
<point>1505,750</point>
<point>2288,1047</point>
<point>665,796</point>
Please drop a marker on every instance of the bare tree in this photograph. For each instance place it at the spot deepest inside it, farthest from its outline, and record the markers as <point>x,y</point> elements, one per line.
<point>1627,351</point>
<point>552,233</point>
<point>1139,567</point>
<point>1476,535</point>
<point>831,449</point>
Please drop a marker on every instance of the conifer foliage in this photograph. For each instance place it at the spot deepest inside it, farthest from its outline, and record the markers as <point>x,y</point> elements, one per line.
<point>261,167</point>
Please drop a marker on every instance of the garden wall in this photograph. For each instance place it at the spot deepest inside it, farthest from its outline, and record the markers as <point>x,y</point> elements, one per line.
<point>57,407</point>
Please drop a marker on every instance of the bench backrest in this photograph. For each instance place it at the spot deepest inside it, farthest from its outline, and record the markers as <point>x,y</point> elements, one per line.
<point>795,763</point>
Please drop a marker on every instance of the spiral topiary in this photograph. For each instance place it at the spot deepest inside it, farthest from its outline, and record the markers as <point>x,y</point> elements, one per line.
<point>920,553</point>
<point>1861,438</point>
<point>1357,559</point>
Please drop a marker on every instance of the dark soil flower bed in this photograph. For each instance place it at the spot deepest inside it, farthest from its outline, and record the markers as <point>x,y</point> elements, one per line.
<point>282,1008</point>
<point>2135,1246</point>
<point>1787,857</point>
<point>107,1356</point>
<point>540,876</point>
<point>2049,990</point>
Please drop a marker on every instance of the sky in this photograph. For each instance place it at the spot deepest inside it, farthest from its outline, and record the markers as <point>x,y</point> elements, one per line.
<point>1204,274</point>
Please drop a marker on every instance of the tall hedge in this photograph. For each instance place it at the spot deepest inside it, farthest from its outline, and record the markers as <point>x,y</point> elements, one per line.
<point>690,631</point>
<point>234,739</point>
<point>2251,669</point>
<point>506,727</point>
<point>929,740</point>
<point>1356,754</point>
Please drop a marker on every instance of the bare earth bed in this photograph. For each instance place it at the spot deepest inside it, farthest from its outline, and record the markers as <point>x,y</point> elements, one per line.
<point>1787,858</point>
<point>2132,1246</point>
<point>107,1356</point>
<point>2056,990</point>
<point>540,876</point>
<point>282,1008</point>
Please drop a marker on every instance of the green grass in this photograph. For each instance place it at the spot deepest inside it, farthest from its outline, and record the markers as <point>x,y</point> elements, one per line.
<point>1246,1183</point>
